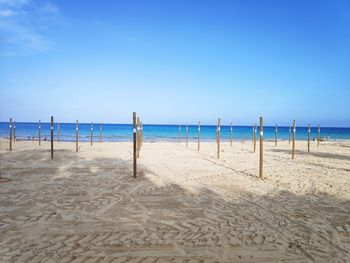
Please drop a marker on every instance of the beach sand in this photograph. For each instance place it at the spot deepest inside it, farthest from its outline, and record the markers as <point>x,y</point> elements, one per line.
<point>185,206</point>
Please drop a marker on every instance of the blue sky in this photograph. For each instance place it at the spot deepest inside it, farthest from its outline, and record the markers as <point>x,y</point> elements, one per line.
<point>176,61</point>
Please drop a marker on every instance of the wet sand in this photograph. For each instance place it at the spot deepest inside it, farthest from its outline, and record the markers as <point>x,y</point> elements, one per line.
<point>185,206</point>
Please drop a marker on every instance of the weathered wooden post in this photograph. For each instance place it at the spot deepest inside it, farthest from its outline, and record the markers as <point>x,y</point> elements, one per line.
<point>231,134</point>
<point>39,132</point>
<point>289,135</point>
<point>199,135</point>
<point>276,136</point>
<point>186,134</point>
<point>141,127</point>
<point>138,137</point>
<point>14,131</point>
<point>100,132</point>
<point>51,137</point>
<point>134,145</point>
<point>218,139</point>
<point>178,134</point>
<point>58,132</point>
<point>261,165</point>
<point>318,135</point>
<point>308,138</point>
<point>77,136</point>
<point>10,134</point>
<point>254,131</point>
<point>91,133</point>
<point>294,131</point>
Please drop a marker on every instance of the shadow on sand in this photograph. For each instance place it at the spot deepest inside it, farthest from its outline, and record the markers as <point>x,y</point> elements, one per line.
<point>313,153</point>
<point>93,208</point>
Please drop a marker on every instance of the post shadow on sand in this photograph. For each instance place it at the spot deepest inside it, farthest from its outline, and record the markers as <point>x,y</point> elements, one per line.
<point>314,153</point>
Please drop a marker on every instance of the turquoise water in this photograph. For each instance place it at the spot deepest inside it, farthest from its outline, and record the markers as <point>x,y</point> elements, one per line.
<point>123,132</point>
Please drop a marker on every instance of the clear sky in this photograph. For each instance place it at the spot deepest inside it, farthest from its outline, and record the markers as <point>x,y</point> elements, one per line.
<point>175,61</point>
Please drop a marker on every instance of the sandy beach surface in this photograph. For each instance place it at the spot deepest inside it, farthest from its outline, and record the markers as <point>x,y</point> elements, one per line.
<point>185,206</point>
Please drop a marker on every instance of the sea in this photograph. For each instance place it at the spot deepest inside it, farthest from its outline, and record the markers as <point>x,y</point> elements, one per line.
<point>158,132</point>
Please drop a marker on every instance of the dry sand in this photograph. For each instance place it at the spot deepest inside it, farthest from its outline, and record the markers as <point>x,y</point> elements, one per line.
<point>186,206</point>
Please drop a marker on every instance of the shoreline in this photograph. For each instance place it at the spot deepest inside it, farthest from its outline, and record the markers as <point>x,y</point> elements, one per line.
<point>175,140</point>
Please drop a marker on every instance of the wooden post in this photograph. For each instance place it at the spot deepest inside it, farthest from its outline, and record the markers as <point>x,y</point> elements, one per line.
<point>294,131</point>
<point>141,130</point>
<point>261,168</point>
<point>10,134</point>
<point>91,133</point>
<point>289,135</point>
<point>100,132</point>
<point>199,135</point>
<point>51,137</point>
<point>138,137</point>
<point>178,135</point>
<point>76,136</point>
<point>253,134</point>
<point>140,134</point>
<point>134,144</point>
<point>218,139</point>
<point>186,134</point>
<point>39,133</point>
<point>14,131</point>
<point>254,137</point>
<point>58,132</point>
<point>276,136</point>
<point>308,138</point>
<point>318,135</point>
<point>231,134</point>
